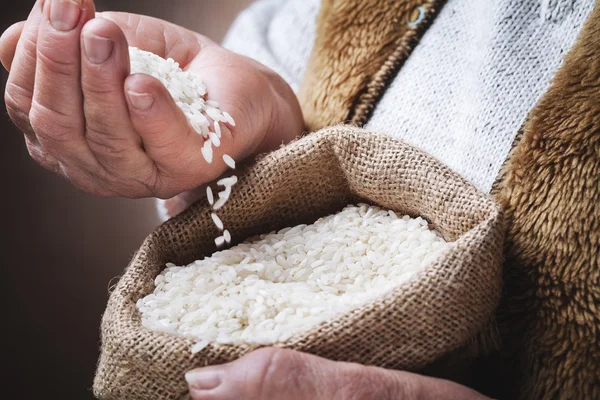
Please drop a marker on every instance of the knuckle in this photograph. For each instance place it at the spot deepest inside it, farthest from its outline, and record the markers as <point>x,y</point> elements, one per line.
<point>51,124</point>
<point>27,48</point>
<point>29,44</point>
<point>99,119</point>
<point>19,118</point>
<point>102,80</point>
<point>102,143</point>
<point>54,64</point>
<point>17,96</point>
<point>17,105</point>
<point>99,87</point>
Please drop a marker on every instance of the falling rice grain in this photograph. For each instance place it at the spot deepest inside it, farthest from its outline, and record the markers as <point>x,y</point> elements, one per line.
<point>209,196</point>
<point>229,161</point>
<point>220,241</point>
<point>207,151</point>
<point>218,222</point>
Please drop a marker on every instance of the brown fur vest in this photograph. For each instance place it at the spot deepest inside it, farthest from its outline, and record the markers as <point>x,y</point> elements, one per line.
<point>549,317</point>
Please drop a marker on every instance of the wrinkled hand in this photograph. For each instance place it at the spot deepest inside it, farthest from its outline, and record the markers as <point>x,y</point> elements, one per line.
<point>273,374</point>
<point>111,134</point>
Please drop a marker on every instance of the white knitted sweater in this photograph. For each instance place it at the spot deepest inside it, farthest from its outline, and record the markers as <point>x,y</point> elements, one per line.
<point>467,88</point>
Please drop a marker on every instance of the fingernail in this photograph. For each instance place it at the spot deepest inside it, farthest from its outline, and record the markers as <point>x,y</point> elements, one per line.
<point>204,379</point>
<point>97,48</point>
<point>64,14</point>
<point>140,101</point>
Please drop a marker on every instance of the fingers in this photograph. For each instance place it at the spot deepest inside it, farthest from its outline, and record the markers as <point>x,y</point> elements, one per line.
<point>160,37</point>
<point>104,67</point>
<point>283,374</point>
<point>271,373</point>
<point>56,113</point>
<point>167,136</point>
<point>19,87</point>
<point>8,43</point>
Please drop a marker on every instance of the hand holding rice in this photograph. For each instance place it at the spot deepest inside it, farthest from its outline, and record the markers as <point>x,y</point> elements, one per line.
<point>189,92</point>
<point>266,290</point>
<point>111,127</point>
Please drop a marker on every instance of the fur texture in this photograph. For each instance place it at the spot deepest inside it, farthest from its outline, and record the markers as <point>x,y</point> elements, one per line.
<point>358,46</point>
<point>549,318</point>
<point>550,189</point>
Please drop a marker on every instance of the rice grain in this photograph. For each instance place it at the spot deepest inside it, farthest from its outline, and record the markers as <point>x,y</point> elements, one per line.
<point>218,222</point>
<point>229,161</point>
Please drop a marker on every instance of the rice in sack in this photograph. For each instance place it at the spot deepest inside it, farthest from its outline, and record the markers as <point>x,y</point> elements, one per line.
<point>415,320</point>
<point>266,290</point>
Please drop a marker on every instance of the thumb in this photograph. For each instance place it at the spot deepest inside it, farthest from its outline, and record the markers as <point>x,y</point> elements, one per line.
<point>271,373</point>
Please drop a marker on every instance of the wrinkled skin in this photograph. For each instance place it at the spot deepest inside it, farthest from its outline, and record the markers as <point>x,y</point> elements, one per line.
<point>273,374</point>
<point>112,134</point>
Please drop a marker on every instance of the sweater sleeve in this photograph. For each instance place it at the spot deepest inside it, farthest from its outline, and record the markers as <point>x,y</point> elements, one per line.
<point>277,33</point>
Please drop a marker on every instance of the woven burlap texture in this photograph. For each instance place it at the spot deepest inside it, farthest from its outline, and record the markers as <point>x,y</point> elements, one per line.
<point>435,312</point>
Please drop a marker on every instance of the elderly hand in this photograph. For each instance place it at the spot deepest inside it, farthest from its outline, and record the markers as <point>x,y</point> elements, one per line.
<point>276,374</point>
<point>111,134</point>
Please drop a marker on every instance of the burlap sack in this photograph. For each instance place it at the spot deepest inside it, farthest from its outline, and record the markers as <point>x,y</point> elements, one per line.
<point>420,321</point>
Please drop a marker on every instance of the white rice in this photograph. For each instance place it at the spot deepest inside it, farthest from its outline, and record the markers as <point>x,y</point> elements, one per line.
<point>274,286</point>
<point>207,151</point>
<point>186,88</point>
<point>189,93</point>
<point>228,119</point>
<point>228,182</point>
<point>218,222</point>
<point>220,203</point>
<point>214,139</point>
<point>209,196</point>
<point>223,197</point>
<point>229,161</point>
<point>220,241</point>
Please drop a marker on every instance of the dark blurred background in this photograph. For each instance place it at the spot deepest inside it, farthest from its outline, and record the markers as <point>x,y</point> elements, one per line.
<point>61,248</point>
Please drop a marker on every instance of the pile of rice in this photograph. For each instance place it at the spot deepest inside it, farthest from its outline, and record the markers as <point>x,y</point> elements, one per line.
<point>270,288</point>
<point>189,93</point>
<point>274,286</point>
